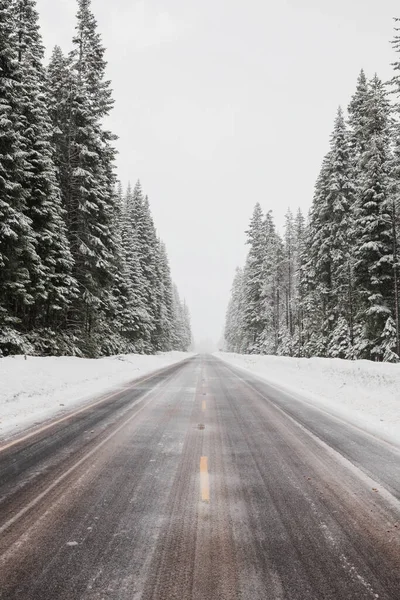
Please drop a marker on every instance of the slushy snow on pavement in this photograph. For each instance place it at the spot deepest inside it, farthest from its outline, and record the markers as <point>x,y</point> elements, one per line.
<point>364,393</point>
<point>36,389</point>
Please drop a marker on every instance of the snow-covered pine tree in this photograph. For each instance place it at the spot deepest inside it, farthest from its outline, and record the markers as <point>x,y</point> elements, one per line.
<point>340,343</point>
<point>147,251</point>
<point>298,284</point>
<point>164,322</point>
<point>182,335</point>
<point>373,226</point>
<point>288,277</point>
<point>153,263</point>
<point>395,184</point>
<point>254,314</point>
<point>187,329</point>
<point>341,199</point>
<point>17,239</point>
<point>178,321</point>
<point>122,320</point>
<point>138,321</point>
<point>60,84</point>
<point>51,285</point>
<point>234,323</point>
<point>273,291</point>
<point>79,100</point>
<point>316,273</point>
<point>127,327</point>
<point>150,314</point>
<point>329,269</point>
<point>358,134</point>
<point>358,138</point>
<point>389,342</point>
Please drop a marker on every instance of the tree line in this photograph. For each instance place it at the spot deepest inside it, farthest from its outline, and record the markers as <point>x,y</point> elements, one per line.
<point>82,269</point>
<point>329,286</point>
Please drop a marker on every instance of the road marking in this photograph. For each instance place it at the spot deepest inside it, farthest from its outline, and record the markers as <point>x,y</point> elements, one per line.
<point>204,479</point>
<point>203,406</point>
<point>346,462</point>
<point>55,483</point>
<point>77,412</point>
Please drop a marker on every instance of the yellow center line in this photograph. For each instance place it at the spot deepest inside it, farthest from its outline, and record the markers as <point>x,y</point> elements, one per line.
<point>204,480</point>
<point>203,406</point>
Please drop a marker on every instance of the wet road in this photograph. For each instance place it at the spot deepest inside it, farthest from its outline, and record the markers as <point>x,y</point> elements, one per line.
<point>200,482</point>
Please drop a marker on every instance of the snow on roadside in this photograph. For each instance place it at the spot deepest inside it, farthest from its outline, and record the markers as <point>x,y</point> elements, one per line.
<point>36,389</point>
<point>362,392</point>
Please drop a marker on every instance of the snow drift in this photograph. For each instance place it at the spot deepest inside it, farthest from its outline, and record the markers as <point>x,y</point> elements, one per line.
<point>38,388</point>
<point>362,392</point>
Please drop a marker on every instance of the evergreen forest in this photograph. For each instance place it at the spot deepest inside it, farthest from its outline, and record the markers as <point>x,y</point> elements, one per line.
<point>328,285</point>
<point>82,269</point>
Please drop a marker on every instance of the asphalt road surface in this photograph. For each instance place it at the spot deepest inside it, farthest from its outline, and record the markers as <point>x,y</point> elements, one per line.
<point>200,482</point>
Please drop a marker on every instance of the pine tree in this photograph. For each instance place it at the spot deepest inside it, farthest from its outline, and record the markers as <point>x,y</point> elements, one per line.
<point>358,136</point>
<point>395,185</point>
<point>60,84</point>
<point>298,283</point>
<point>122,288</point>
<point>178,321</point>
<point>51,283</point>
<point>182,335</point>
<point>273,289</point>
<point>234,323</point>
<point>147,251</point>
<point>341,343</point>
<point>17,240</point>
<point>164,322</point>
<point>80,98</point>
<point>341,199</point>
<point>389,342</point>
<point>317,273</point>
<point>289,258</point>
<point>330,263</point>
<point>373,229</point>
<point>88,59</point>
<point>138,322</point>
<point>127,325</point>
<point>254,316</point>
<point>187,331</point>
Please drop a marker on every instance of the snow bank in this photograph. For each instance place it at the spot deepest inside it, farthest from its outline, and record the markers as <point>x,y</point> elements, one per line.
<point>364,393</point>
<point>38,388</point>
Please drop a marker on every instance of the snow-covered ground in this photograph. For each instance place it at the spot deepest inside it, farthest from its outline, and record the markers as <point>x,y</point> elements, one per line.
<point>36,389</point>
<point>363,393</point>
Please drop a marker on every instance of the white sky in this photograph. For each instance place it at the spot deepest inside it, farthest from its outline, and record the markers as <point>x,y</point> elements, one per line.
<point>223,103</point>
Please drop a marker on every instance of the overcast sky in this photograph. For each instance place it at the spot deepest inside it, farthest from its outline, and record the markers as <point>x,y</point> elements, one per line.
<point>223,103</point>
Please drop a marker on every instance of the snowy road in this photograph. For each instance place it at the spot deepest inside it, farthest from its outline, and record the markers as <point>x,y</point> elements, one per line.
<point>200,482</point>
